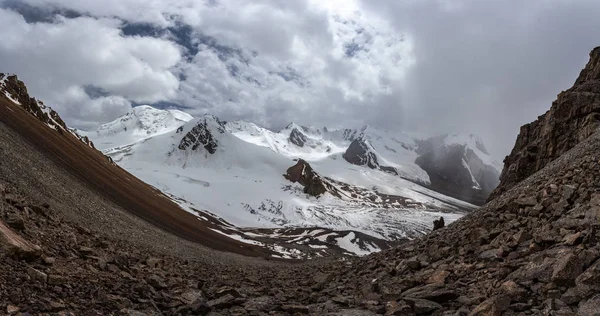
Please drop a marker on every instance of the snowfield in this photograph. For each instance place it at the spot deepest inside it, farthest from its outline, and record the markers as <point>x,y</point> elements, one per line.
<point>242,181</point>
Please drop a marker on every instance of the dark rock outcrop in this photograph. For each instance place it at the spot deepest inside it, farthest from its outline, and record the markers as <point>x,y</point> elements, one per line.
<point>17,91</point>
<point>361,153</point>
<point>313,183</point>
<point>439,223</point>
<point>456,170</point>
<point>573,117</point>
<point>202,135</point>
<point>297,138</point>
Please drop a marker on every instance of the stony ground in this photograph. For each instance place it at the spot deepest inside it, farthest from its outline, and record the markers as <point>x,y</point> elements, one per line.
<point>534,251</point>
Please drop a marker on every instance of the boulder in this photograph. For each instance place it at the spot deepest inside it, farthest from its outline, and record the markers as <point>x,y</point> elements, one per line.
<point>16,246</point>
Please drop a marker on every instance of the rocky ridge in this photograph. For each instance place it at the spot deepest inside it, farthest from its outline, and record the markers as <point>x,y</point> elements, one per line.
<point>573,117</point>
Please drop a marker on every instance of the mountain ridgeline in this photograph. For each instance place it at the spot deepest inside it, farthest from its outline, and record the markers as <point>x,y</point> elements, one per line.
<point>70,246</point>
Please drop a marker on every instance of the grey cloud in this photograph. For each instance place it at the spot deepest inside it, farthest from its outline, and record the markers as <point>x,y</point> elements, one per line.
<point>489,66</point>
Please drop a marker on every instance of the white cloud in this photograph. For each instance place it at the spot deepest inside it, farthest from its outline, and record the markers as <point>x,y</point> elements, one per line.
<point>55,58</point>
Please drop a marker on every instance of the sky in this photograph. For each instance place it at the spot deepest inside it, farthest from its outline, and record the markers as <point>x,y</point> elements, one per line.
<point>422,66</point>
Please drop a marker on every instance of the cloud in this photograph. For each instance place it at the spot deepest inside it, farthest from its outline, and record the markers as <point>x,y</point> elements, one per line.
<point>430,66</point>
<point>56,59</point>
<point>489,66</point>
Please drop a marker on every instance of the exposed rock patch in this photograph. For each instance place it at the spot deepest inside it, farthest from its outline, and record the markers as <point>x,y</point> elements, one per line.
<point>313,183</point>
<point>297,138</point>
<point>202,135</point>
<point>361,153</point>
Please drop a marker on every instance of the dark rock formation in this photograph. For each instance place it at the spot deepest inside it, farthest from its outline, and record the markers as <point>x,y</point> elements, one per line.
<point>452,169</point>
<point>17,91</point>
<point>439,223</point>
<point>304,174</point>
<point>573,117</point>
<point>202,135</point>
<point>361,153</point>
<point>297,138</point>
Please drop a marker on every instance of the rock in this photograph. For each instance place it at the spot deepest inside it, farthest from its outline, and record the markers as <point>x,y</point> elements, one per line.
<point>263,304</point>
<point>57,306</point>
<point>413,263</point>
<point>353,312</point>
<point>491,254</point>
<point>513,290</point>
<point>36,275</point>
<point>589,281</point>
<point>393,308</point>
<point>572,239</point>
<point>438,223</point>
<point>590,307</point>
<point>154,263</point>
<point>227,290</point>
<point>15,221</point>
<point>49,260</point>
<point>190,296</point>
<point>493,306</point>
<point>539,268</point>
<point>157,282</point>
<point>571,296</point>
<point>16,246</point>
<point>567,268</point>
<point>527,201</point>
<point>11,309</point>
<point>438,277</point>
<point>520,237</point>
<point>431,292</point>
<point>421,306</point>
<point>321,279</point>
<point>293,309</point>
<point>86,251</point>
<point>224,301</point>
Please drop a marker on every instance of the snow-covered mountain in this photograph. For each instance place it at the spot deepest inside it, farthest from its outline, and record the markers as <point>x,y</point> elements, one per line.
<point>371,182</point>
<point>140,123</point>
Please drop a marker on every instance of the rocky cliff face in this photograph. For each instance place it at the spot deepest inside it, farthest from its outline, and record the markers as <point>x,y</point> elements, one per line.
<point>573,117</point>
<point>202,135</point>
<point>361,153</point>
<point>15,90</point>
<point>297,138</point>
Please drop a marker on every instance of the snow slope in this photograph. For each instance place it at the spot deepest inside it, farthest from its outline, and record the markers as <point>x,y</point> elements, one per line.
<point>234,171</point>
<point>243,183</point>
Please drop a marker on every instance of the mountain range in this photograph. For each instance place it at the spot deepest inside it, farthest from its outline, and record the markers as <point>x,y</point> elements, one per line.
<point>81,235</point>
<point>387,185</point>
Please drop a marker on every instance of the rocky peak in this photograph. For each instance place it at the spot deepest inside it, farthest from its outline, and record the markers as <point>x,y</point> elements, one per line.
<point>361,153</point>
<point>304,174</point>
<point>297,138</point>
<point>202,134</point>
<point>16,91</point>
<point>573,117</point>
